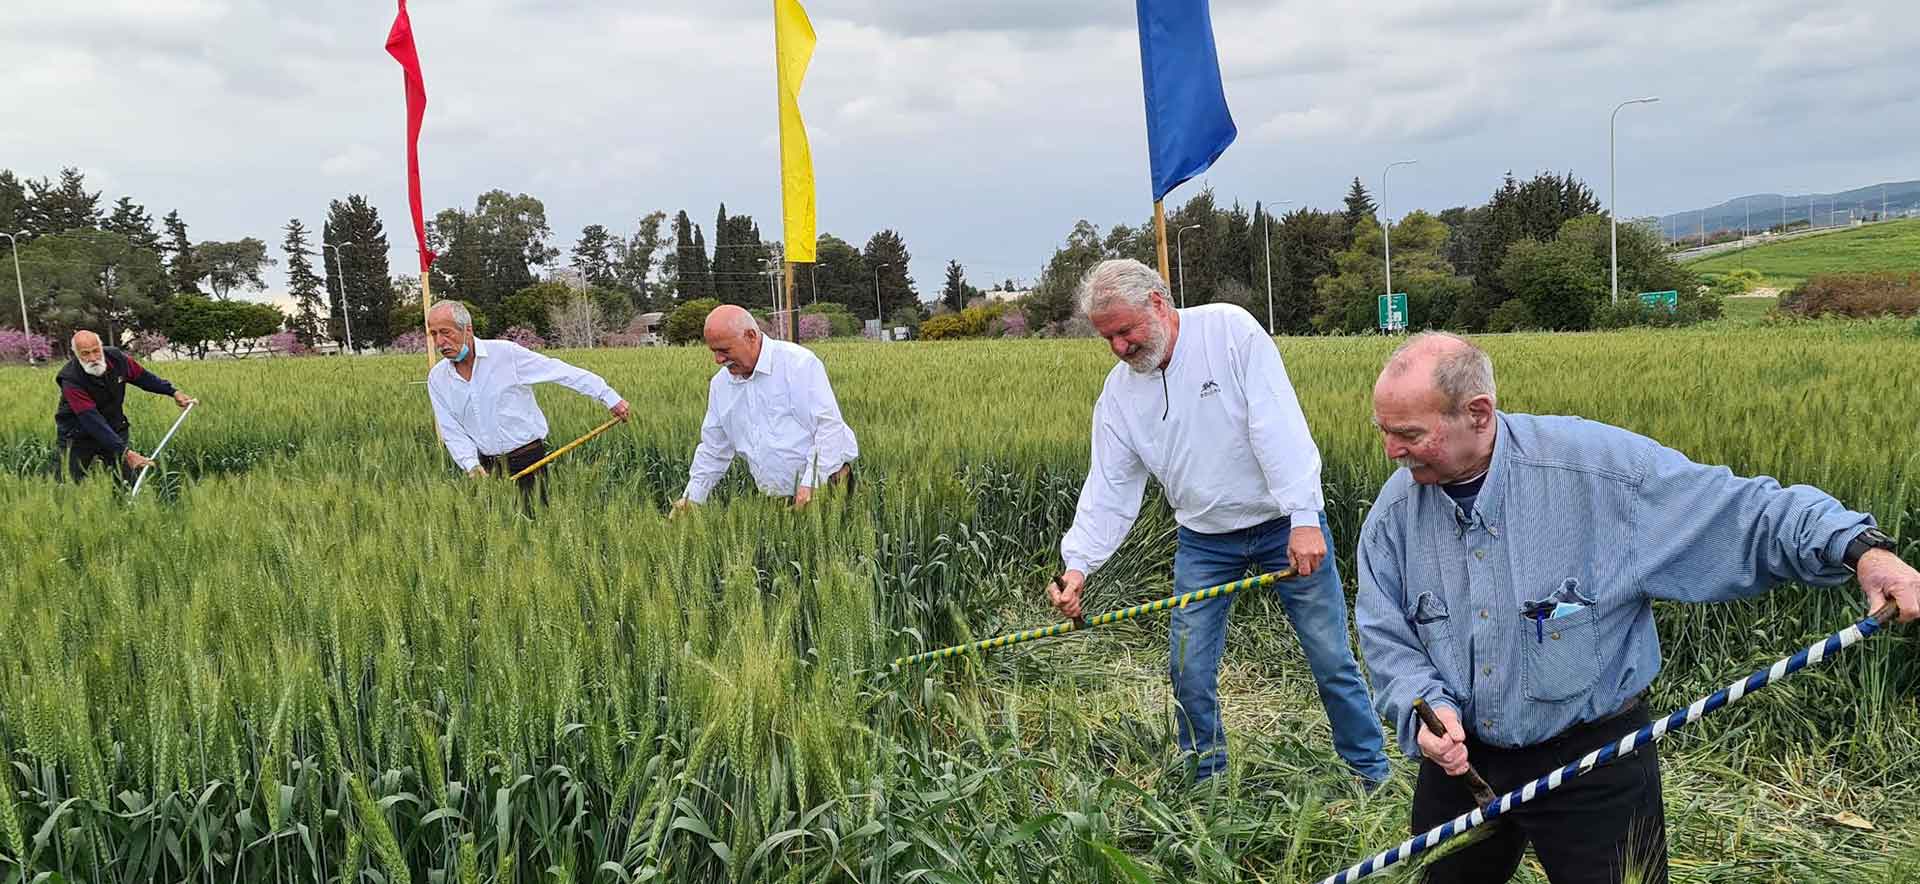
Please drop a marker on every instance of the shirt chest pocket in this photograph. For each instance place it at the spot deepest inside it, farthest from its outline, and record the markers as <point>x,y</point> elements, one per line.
<point>1561,644</point>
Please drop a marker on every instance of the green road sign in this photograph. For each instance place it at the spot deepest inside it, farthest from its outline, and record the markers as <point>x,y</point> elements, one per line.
<point>1393,313</point>
<point>1655,299</point>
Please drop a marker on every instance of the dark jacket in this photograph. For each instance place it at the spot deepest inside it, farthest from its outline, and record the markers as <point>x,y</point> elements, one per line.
<point>91,408</point>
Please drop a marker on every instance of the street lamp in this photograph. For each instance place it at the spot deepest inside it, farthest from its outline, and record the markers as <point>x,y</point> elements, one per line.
<point>346,316</point>
<point>1266,240</point>
<point>813,273</point>
<point>17,284</point>
<point>879,313</point>
<point>1386,228</point>
<point>1180,242</point>
<point>1613,206</point>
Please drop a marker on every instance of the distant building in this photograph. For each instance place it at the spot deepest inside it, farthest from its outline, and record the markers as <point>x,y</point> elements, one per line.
<point>1007,296</point>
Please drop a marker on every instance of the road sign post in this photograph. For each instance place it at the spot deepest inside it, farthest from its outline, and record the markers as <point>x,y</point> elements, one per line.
<point>1393,312</point>
<point>1670,299</point>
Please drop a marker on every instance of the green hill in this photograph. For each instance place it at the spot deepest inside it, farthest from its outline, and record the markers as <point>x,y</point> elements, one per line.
<point>1893,245</point>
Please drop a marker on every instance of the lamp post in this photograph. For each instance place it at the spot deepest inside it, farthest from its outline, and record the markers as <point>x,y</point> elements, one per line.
<point>17,284</point>
<point>346,316</point>
<point>1386,227</point>
<point>1180,243</point>
<point>879,312</point>
<point>1266,240</point>
<point>1613,205</point>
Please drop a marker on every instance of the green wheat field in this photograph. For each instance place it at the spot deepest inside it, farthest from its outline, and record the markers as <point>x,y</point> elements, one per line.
<point>310,651</point>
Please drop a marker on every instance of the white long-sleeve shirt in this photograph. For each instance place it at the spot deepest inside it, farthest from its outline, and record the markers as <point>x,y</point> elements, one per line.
<point>782,418</point>
<point>495,413</point>
<point>1220,429</point>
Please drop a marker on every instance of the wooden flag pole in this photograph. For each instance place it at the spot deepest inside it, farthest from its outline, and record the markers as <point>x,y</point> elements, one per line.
<point>793,326</point>
<point>426,307</point>
<point>1160,235</point>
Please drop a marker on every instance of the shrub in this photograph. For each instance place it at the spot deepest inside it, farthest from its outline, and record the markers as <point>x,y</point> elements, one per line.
<point>411,342</point>
<point>288,344</point>
<point>815,327</point>
<point>1513,315</point>
<point>19,346</point>
<point>1856,295</point>
<point>147,343</point>
<point>525,337</point>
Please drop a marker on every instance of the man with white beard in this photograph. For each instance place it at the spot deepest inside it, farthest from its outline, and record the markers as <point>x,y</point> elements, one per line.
<point>1202,403</point>
<point>93,388</point>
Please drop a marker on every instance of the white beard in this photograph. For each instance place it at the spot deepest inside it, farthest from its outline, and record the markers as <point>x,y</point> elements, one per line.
<point>1150,354</point>
<point>95,368</point>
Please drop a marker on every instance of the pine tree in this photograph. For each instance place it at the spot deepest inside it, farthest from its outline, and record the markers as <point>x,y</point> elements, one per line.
<point>361,264</point>
<point>305,287</point>
<point>184,269</point>
<point>1359,205</point>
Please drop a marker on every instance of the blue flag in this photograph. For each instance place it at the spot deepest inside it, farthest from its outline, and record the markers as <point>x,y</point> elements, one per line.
<point>1188,126</point>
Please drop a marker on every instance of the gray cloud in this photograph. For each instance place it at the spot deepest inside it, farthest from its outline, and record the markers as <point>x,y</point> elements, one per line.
<point>980,130</point>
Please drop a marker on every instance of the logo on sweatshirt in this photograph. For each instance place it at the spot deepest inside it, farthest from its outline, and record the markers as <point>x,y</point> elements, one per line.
<point>1208,389</point>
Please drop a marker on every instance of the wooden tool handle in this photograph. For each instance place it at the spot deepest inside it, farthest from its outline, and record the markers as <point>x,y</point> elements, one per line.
<point>1482,792</point>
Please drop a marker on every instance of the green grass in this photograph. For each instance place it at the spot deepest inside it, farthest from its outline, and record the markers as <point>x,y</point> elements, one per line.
<point>314,652</point>
<point>1893,245</point>
<point>1744,309</point>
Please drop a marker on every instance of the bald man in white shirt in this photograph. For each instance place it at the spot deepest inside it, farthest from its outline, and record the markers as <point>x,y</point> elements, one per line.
<point>771,404</point>
<point>482,393</point>
<point>1201,402</point>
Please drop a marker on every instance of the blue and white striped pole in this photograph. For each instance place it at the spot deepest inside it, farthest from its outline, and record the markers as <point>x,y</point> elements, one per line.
<point>1814,653</point>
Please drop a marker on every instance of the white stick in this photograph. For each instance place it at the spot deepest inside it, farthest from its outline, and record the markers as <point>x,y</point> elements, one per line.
<point>156,451</point>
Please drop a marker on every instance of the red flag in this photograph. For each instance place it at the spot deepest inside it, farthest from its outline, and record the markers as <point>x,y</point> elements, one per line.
<point>400,46</point>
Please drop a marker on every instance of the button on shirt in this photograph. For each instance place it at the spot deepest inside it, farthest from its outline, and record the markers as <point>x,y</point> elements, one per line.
<point>782,418</point>
<point>1220,428</point>
<point>1533,612</point>
<point>495,413</point>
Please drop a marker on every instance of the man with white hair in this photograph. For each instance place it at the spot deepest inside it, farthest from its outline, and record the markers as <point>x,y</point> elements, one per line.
<point>1202,403</point>
<point>771,404</point>
<point>482,392</point>
<point>1507,575</point>
<point>92,424</point>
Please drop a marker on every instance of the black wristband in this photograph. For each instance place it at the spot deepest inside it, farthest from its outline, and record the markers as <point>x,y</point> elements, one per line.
<point>1870,539</point>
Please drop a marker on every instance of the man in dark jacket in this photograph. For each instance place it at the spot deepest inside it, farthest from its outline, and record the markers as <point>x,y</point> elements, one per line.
<point>93,387</point>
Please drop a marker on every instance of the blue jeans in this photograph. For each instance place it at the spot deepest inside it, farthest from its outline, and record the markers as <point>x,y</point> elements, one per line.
<point>1318,609</point>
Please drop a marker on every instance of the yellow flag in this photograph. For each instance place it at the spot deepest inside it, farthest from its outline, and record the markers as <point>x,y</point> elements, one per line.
<point>793,48</point>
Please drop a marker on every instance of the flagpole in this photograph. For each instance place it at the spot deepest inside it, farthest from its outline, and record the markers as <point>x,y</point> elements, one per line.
<point>1160,236</point>
<point>793,327</point>
<point>426,307</point>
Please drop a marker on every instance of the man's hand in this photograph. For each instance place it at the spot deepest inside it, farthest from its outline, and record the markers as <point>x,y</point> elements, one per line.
<point>135,460</point>
<point>1306,549</point>
<point>1448,750</point>
<point>801,496</point>
<point>1885,578</point>
<point>683,505</point>
<point>478,472</point>
<point>182,399</point>
<point>1065,593</point>
<point>619,409</point>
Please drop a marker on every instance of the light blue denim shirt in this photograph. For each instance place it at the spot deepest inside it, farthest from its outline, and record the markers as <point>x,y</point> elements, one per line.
<point>1534,613</point>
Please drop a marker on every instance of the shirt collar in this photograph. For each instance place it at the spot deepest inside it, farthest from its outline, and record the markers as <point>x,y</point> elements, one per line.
<point>479,348</point>
<point>1487,505</point>
<point>764,366</point>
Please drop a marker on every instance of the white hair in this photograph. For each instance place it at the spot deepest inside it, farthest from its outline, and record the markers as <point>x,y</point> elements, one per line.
<point>462,318</point>
<point>1119,282</point>
<point>1461,370</point>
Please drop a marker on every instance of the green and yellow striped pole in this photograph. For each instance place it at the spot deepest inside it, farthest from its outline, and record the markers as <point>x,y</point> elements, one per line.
<point>1178,601</point>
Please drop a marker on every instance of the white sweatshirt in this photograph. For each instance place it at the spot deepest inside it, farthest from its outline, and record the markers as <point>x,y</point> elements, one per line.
<point>1220,429</point>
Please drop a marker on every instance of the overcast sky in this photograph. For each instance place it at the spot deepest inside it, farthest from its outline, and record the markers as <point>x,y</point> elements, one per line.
<point>980,129</point>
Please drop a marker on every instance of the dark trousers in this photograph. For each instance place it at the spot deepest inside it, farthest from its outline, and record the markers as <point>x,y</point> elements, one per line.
<point>519,459</point>
<point>85,454</point>
<point>842,476</point>
<point>1585,832</point>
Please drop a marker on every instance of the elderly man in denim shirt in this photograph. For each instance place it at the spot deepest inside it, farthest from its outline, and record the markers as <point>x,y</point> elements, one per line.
<point>1507,573</point>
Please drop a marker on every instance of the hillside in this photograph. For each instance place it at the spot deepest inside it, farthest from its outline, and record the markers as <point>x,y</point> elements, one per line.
<point>1890,246</point>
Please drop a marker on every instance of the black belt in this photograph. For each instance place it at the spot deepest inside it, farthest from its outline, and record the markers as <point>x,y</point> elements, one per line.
<point>524,449</point>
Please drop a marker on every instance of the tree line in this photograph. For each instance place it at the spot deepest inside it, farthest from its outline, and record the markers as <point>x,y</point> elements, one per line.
<point>1535,255</point>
